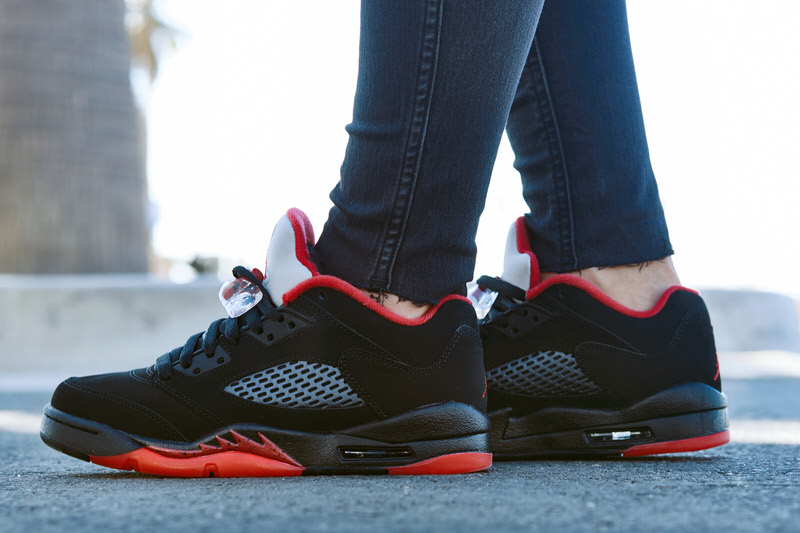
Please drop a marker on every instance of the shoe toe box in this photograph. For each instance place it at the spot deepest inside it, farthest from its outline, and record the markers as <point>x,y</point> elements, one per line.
<point>121,401</point>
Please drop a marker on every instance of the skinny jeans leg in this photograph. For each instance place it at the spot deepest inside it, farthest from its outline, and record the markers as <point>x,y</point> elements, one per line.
<point>578,135</point>
<point>435,86</point>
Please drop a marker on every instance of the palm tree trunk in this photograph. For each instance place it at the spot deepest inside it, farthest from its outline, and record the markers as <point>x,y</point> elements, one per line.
<point>72,181</point>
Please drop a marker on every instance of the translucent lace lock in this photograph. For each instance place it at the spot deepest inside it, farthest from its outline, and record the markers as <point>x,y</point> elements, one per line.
<point>238,296</point>
<point>482,300</point>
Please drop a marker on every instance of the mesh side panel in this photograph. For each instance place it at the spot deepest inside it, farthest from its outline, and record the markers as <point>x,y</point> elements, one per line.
<point>542,374</point>
<point>297,384</point>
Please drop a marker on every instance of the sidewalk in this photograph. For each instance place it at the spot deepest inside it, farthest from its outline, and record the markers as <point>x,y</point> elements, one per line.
<point>752,484</point>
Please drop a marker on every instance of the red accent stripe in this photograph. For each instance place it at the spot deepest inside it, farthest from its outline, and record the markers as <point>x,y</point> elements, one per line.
<point>224,464</point>
<point>454,463</point>
<point>524,247</point>
<point>597,294</point>
<point>347,289</point>
<point>303,236</point>
<point>264,448</point>
<point>677,446</point>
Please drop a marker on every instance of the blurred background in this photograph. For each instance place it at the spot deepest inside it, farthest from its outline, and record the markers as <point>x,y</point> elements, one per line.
<point>250,99</point>
<point>257,94</point>
<point>123,123</point>
<point>147,146</point>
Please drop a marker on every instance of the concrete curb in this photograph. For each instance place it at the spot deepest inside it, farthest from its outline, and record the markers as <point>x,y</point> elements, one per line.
<point>58,325</point>
<point>753,320</point>
<point>98,323</point>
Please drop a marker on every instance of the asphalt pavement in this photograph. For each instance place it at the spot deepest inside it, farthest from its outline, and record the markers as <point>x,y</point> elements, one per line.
<point>752,484</point>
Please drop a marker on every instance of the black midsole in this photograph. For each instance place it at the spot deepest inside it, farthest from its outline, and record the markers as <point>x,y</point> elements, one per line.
<point>683,412</point>
<point>414,436</point>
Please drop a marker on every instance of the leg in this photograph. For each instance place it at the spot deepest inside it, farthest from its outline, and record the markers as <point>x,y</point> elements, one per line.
<point>577,130</point>
<point>570,371</point>
<point>436,82</point>
<point>307,375</point>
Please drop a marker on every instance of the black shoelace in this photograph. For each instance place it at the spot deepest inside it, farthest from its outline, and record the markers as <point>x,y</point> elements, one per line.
<point>502,288</point>
<point>508,298</point>
<point>228,328</point>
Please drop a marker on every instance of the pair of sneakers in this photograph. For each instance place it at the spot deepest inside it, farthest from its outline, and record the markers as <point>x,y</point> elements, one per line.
<point>309,376</point>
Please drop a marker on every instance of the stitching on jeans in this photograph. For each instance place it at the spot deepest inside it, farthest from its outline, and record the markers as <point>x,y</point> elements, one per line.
<point>409,170</point>
<point>539,84</point>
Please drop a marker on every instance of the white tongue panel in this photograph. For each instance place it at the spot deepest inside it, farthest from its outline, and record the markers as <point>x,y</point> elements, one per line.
<point>516,265</point>
<point>284,269</point>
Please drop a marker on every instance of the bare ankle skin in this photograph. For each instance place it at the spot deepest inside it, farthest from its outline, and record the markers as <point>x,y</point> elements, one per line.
<point>637,286</point>
<point>400,306</point>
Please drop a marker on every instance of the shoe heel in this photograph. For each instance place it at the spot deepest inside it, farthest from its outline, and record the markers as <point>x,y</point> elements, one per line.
<point>689,417</point>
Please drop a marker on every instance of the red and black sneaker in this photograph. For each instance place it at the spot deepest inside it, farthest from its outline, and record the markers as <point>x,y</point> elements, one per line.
<point>307,376</point>
<point>571,372</point>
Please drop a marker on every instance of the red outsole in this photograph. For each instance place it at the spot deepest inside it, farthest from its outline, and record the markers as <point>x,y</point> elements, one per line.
<point>224,464</point>
<point>676,446</point>
<point>454,463</point>
<point>241,464</point>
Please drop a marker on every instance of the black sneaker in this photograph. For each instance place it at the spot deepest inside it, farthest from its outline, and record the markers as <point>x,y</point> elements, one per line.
<point>571,372</point>
<point>327,382</point>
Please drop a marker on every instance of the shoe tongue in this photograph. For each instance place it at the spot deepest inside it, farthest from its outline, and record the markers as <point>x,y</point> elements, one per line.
<point>520,266</point>
<point>288,259</point>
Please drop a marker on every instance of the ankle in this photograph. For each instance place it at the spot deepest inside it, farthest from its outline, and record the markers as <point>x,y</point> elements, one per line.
<point>637,286</point>
<point>398,305</point>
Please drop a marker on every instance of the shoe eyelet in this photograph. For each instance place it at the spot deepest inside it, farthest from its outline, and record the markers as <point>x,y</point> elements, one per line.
<point>196,371</point>
<point>291,325</point>
<point>270,337</point>
<point>220,360</point>
<point>281,318</point>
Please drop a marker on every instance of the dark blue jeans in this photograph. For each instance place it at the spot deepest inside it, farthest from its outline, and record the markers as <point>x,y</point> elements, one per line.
<point>438,82</point>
